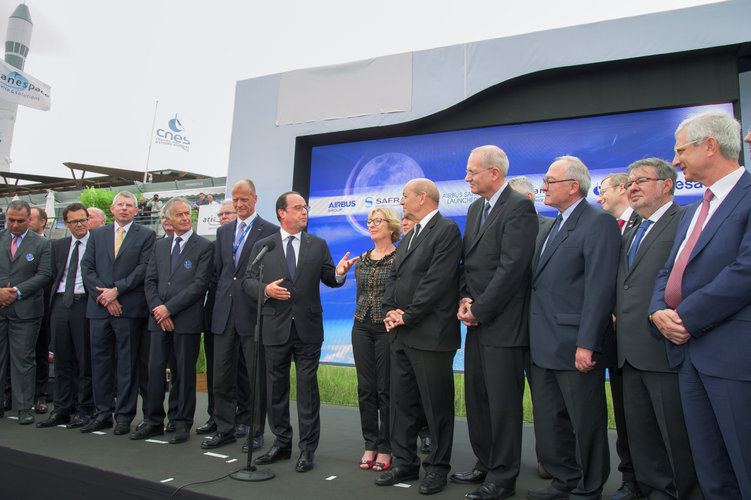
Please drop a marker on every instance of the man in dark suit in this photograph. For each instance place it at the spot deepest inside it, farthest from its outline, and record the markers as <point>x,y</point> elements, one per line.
<point>177,278</point>
<point>702,305</point>
<point>420,304</point>
<point>233,321</point>
<point>74,401</point>
<point>499,241</point>
<point>37,224</point>
<point>659,443</point>
<point>293,324</point>
<point>570,334</point>
<point>113,269</point>
<point>25,269</point>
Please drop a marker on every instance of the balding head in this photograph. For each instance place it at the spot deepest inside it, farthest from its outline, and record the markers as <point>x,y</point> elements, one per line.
<point>419,198</point>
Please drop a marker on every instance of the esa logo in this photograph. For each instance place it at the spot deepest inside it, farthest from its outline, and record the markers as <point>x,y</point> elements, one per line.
<point>174,134</point>
<point>370,201</point>
<point>679,184</point>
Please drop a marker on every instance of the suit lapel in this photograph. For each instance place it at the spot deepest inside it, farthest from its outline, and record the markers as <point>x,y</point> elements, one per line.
<point>650,238</point>
<point>423,231</point>
<point>130,236</point>
<point>304,251</point>
<point>495,212</point>
<point>184,253</point>
<point>568,225</point>
<point>6,241</point>
<point>278,254</point>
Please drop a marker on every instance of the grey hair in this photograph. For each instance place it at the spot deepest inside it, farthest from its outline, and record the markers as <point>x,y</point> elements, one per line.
<point>19,205</point>
<point>522,184</point>
<point>126,194</point>
<point>493,156</point>
<point>724,128</point>
<point>663,169</point>
<point>171,203</point>
<point>576,169</point>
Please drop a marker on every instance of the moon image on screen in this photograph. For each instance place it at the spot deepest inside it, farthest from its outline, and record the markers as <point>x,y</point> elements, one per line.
<point>388,169</point>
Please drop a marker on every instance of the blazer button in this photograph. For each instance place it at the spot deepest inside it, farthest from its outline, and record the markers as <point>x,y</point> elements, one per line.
<point>168,283</point>
<point>230,295</point>
<point>234,278</point>
<point>625,287</point>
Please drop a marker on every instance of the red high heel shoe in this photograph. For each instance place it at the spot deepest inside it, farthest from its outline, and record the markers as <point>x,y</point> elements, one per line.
<point>382,466</point>
<point>365,463</point>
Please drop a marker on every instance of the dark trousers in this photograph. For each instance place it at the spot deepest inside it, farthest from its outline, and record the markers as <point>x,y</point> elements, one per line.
<point>182,349</point>
<point>278,361</point>
<point>70,329</point>
<point>422,375</point>
<point>494,384</point>
<point>42,355</point>
<point>115,344</point>
<point>144,343</point>
<point>370,347</point>
<point>17,341</point>
<point>571,422</point>
<point>625,464</point>
<point>719,429</point>
<point>661,453</point>
<point>241,387</point>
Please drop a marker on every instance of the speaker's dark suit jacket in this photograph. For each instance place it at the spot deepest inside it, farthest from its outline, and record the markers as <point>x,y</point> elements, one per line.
<point>716,311</point>
<point>496,276</point>
<point>424,283</point>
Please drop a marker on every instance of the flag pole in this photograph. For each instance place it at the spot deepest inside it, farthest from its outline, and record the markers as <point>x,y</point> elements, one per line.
<point>151,141</point>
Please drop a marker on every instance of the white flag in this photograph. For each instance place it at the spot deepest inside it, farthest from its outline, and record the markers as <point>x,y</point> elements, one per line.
<point>21,88</point>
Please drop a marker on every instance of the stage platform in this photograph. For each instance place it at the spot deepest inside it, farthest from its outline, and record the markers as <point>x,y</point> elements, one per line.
<point>61,463</point>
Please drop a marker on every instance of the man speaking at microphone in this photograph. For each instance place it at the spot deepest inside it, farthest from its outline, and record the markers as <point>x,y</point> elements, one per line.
<point>293,324</point>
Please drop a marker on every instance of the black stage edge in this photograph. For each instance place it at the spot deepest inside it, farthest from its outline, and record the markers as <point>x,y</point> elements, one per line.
<point>62,463</point>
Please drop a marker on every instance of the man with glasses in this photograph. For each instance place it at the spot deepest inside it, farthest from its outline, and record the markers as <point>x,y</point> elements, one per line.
<point>702,305</point>
<point>113,269</point>
<point>74,400</point>
<point>658,441</point>
<point>570,335</point>
<point>296,265</point>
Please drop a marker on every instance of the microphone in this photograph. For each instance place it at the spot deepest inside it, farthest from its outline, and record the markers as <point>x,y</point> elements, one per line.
<point>269,246</point>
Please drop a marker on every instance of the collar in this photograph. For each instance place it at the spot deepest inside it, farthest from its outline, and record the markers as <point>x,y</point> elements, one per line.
<point>185,237</point>
<point>424,221</point>
<point>660,211</point>
<point>722,187</point>
<point>126,226</point>
<point>286,235</point>
<point>494,199</point>
<point>626,215</point>
<point>567,213</point>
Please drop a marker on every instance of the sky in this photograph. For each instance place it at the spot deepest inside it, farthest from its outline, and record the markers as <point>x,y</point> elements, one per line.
<point>109,63</point>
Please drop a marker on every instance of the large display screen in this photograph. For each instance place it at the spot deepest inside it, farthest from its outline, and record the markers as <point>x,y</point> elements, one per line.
<point>348,180</point>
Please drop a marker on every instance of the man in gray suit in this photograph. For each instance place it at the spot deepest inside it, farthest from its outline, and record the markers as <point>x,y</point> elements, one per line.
<point>570,336</point>
<point>25,269</point>
<point>659,446</point>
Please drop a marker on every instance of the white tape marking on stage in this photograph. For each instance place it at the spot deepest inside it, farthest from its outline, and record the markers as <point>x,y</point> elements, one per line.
<point>403,485</point>
<point>62,426</point>
<point>217,455</point>
<point>231,460</point>
<point>330,478</point>
<point>167,480</point>
<point>157,441</point>
<point>13,418</point>
<point>99,433</point>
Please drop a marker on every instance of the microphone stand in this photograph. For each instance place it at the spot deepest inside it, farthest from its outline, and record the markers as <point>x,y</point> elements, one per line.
<point>250,472</point>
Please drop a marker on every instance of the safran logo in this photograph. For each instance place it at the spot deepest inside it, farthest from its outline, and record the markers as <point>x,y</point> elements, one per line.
<point>173,135</point>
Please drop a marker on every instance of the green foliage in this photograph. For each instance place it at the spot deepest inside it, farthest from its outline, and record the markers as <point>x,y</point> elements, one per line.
<point>99,198</point>
<point>201,361</point>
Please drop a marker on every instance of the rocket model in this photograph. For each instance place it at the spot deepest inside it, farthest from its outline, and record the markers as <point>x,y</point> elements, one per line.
<point>17,41</point>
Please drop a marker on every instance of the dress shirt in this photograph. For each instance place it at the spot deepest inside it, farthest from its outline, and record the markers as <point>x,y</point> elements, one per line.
<point>79,278</point>
<point>625,216</point>
<point>248,222</point>
<point>185,237</point>
<point>126,227</point>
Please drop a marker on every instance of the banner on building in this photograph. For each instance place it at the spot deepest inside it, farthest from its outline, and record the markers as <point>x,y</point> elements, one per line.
<point>21,88</point>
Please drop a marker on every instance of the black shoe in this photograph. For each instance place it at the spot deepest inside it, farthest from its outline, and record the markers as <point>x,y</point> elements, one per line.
<point>628,491</point>
<point>141,425</point>
<point>274,454</point>
<point>96,424</point>
<point>547,493</point>
<point>170,427</point>
<point>181,435</point>
<point>208,428</point>
<point>305,462</point>
<point>219,439</point>
<point>56,418</point>
<point>25,417</point>
<point>489,491</point>
<point>123,428</point>
<point>396,475</point>
<point>541,472</point>
<point>432,483</point>
<point>78,420</point>
<point>426,446</point>
<point>40,406</point>
<point>241,430</point>
<point>257,443</point>
<point>146,432</point>
<point>474,476</point>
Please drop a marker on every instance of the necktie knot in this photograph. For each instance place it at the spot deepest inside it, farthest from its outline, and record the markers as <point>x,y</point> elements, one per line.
<point>708,195</point>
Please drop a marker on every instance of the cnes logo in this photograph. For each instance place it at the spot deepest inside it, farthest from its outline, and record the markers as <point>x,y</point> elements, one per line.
<point>173,135</point>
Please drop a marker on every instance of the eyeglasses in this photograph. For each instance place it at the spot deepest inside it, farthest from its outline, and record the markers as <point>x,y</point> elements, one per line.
<point>679,149</point>
<point>374,222</point>
<point>300,208</point>
<point>77,221</point>
<point>547,181</point>
<point>642,180</point>
<point>221,214</point>
<point>471,173</point>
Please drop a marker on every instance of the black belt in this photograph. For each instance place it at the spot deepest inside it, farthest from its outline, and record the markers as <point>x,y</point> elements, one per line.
<point>76,296</point>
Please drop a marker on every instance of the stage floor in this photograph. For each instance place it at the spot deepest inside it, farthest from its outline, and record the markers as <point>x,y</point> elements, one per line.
<point>335,476</point>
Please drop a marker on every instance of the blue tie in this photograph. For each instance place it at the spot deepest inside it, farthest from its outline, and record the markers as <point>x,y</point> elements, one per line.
<point>485,213</point>
<point>175,253</point>
<point>291,264</point>
<point>637,240</point>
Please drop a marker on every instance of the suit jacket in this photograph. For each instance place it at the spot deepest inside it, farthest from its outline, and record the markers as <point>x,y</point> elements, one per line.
<point>495,271</point>
<point>229,285</point>
<point>29,272</point>
<point>634,338</point>
<point>314,266</point>
<point>543,228</point>
<point>100,268</point>
<point>424,283</point>
<point>716,289</point>
<point>573,291</point>
<point>181,290</point>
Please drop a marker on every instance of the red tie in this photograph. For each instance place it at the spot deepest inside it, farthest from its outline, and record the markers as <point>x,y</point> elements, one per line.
<point>673,293</point>
<point>13,246</point>
<point>621,222</point>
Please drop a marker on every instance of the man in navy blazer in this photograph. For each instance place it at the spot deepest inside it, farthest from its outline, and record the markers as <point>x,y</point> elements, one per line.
<point>177,278</point>
<point>234,319</point>
<point>113,268</point>
<point>702,305</point>
<point>293,324</point>
<point>570,335</point>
